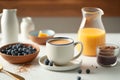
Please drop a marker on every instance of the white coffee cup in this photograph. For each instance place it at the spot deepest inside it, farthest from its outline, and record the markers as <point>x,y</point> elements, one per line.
<point>60,50</point>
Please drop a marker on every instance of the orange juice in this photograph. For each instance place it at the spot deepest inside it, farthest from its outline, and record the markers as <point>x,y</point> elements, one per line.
<point>91,38</point>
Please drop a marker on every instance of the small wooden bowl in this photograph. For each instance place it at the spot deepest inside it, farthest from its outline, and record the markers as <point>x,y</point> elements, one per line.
<point>22,58</point>
<point>33,35</point>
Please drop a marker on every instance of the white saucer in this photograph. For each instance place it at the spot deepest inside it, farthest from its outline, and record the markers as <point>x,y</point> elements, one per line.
<point>70,66</point>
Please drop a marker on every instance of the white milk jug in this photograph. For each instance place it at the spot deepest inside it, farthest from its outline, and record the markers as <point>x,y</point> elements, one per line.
<point>9,26</point>
<point>26,26</point>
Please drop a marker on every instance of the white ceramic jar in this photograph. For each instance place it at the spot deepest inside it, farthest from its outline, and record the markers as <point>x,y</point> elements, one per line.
<point>9,26</point>
<point>26,26</point>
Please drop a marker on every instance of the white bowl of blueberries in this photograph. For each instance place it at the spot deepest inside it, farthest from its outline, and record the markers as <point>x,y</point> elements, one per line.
<point>19,52</point>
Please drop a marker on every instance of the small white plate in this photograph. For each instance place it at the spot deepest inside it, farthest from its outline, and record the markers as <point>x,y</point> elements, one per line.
<point>70,66</point>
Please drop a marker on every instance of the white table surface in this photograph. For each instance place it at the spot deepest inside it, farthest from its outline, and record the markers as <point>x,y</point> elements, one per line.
<point>36,72</point>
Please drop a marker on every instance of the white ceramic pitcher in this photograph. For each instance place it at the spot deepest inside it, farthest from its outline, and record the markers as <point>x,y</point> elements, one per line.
<point>9,26</point>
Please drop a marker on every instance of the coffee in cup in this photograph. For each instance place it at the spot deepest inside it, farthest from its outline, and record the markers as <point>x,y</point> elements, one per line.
<point>60,42</point>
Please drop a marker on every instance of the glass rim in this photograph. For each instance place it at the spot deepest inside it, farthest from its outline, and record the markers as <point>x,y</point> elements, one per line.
<point>115,51</point>
<point>10,9</point>
<point>92,10</point>
<point>109,44</point>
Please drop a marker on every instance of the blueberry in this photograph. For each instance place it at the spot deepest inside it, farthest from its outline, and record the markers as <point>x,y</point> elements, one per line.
<point>23,49</point>
<point>80,71</point>
<point>20,50</point>
<point>8,52</point>
<point>78,78</point>
<point>19,45</point>
<point>30,47</point>
<point>51,63</point>
<point>13,46</point>
<point>26,50</point>
<point>29,52</point>
<point>87,71</point>
<point>19,54</point>
<point>3,51</point>
<point>15,53</point>
<point>46,61</point>
<point>15,49</point>
<point>33,49</point>
<point>9,46</point>
<point>23,53</point>
<point>12,51</point>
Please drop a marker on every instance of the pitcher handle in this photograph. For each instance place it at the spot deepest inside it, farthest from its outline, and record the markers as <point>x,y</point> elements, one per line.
<point>80,52</point>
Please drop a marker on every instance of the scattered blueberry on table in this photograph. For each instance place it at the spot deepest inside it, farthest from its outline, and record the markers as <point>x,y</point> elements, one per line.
<point>78,78</point>
<point>18,50</point>
<point>46,61</point>
<point>87,71</point>
<point>51,63</point>
<point>80,71</point>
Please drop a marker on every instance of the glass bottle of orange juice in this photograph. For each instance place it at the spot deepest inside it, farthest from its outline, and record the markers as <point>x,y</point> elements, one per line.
<point>91,32</point>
